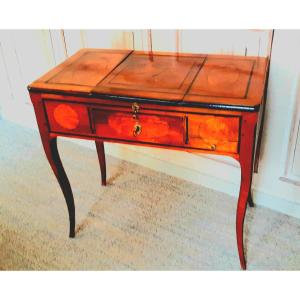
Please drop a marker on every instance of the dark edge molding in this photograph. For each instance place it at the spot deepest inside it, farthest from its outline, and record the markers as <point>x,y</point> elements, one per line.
<point>244,108</point>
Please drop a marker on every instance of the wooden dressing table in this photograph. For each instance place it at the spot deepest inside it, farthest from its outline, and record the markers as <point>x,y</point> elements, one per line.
<point>189,102</point>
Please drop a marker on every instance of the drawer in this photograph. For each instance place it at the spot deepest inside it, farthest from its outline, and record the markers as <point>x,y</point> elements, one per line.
<point>69,118</point>
<point>147,128</point>
<point>213,132</point>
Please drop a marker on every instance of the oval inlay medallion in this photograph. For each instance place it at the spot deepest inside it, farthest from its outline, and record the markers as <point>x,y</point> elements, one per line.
<point>66,116</point>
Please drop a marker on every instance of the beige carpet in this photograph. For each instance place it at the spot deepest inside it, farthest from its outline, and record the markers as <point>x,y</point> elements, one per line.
<point>143,220</point>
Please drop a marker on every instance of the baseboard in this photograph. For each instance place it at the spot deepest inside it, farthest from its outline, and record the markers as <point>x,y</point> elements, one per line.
<point>276,203</point>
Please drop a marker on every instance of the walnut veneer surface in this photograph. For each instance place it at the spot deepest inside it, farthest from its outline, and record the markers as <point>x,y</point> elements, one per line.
<point>188,102</point>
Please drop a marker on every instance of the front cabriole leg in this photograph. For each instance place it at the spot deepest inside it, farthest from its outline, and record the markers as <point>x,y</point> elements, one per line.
<point>246,162</point>
<point>52,154</point>
<point>51,151</point>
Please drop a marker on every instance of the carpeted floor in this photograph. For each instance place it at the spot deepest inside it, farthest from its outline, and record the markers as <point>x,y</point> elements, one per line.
<point>143,220</point>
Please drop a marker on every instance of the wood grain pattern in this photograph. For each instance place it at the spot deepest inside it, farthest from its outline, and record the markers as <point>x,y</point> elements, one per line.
<point>221,77</point>
<point>159,75</point>
<point>157,129</point>
<point>64,117</point>
<point>230,80</point>
<point>82,71</point>
<point>213,133</point>
<point>89,69</point>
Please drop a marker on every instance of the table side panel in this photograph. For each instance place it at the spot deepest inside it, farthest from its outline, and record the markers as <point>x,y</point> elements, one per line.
<point>69,118</point>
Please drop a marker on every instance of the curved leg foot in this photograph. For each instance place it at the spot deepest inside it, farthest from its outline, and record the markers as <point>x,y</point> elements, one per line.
<point>250,199</point>
<point>50,147</point>
<point>240,216</point>
<point>246,162</point>
<point>101,157</point>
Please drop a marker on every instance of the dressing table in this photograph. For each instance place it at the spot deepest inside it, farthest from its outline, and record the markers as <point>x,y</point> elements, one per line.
<point>188,102</point>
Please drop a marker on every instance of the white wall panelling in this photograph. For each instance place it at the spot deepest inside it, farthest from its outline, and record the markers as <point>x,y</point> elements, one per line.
<point>292,169</point>
<point>239,42</point>
<point>6,88</point>
<point>77,39</point>
<point>296,161</point>
<point>164,40</point>
<point>108,39</point>
<point>142,40</point>
<point>58,45</point>
<point>27,54</point>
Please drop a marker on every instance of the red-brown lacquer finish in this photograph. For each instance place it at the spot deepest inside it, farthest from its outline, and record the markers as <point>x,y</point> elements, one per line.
<point>66,117</point>
<point>188,102</point>
<point>146,128</point>
<point>214,132</point>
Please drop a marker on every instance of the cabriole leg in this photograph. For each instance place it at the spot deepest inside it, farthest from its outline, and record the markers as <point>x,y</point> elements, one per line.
<point>52,154</point>
<point>50,147</point>
<point>246,162</point>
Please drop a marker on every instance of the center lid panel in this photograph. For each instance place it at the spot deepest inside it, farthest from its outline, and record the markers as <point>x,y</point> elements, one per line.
<point>158,75</point>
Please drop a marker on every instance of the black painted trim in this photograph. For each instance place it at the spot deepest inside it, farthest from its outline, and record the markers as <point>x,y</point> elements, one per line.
<point>151,101</point>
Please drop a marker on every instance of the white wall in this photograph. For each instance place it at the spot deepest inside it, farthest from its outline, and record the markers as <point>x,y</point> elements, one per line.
<point>24,55</point>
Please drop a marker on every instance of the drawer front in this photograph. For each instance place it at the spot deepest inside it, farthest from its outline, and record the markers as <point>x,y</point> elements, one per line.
<point>212,132</point>
<point>148,128</point>
<point>69,118</point>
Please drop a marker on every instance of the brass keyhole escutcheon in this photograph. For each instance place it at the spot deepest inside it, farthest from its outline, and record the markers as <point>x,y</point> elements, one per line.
<point>213,147</point>
<point>137,129</point>
<point>135,109</point>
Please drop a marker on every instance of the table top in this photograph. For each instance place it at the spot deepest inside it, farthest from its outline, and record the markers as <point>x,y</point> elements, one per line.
<point>199,80</point>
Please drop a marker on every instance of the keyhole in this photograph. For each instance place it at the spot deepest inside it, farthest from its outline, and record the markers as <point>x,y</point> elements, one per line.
<point>137,129</point>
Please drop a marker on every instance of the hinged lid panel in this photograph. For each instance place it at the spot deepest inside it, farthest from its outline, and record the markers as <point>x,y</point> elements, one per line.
<point>152,75</point>
<point>82,71</point>
<point>229,81</point>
